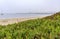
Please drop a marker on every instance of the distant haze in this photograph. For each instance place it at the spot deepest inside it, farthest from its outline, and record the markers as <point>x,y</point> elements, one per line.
<point>29,6</point>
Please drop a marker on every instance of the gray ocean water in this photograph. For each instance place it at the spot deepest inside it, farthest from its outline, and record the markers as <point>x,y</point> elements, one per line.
<point>22,15</point>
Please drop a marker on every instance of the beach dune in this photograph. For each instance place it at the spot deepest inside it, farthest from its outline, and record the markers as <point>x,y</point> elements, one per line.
<point>15,20</point>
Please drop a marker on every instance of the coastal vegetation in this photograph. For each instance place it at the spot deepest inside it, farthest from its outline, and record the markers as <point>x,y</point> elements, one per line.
<point>45,28</point>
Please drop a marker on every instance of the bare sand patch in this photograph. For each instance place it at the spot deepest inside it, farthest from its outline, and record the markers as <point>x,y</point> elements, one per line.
<point>15,20</point>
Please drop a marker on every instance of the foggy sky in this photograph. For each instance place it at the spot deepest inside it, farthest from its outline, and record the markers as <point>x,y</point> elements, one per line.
<point>29,6</point>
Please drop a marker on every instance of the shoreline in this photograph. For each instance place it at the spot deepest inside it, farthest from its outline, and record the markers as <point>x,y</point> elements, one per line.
<point>15,20</point>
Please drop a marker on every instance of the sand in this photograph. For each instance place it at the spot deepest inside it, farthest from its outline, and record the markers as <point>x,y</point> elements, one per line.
<point>15,20</point>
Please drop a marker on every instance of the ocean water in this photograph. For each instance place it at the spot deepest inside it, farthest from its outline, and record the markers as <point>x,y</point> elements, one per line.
<point>22,15</point>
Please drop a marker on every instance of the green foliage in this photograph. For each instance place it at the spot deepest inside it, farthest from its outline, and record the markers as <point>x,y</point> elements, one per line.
<point>45,28</point>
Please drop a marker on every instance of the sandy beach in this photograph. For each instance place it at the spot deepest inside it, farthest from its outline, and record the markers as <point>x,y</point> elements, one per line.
<point>15,20</point>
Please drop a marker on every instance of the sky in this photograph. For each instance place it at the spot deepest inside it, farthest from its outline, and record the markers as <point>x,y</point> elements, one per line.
<point>29,6</point>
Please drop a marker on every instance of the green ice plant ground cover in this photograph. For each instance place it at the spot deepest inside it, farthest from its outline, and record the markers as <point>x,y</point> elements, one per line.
<point>45,28</point>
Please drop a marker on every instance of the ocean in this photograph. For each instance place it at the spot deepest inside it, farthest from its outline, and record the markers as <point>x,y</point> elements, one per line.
<point>22,15</point>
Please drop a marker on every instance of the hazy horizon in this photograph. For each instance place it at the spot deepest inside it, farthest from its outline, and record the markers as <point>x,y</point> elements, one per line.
<point>29,6</point>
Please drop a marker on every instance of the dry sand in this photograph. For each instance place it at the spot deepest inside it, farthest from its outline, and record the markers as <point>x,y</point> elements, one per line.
<point>15,20</point>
